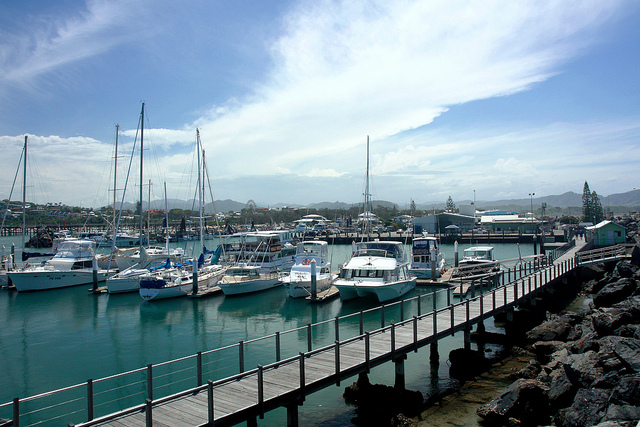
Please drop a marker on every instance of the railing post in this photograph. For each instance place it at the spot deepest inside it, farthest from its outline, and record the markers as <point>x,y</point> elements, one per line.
<point>89,399</point>
<point>338,363</point>
<point>515,291</point>
<point>435,323</point>
<point>337,328</point>
<point>415,334</point>
<point>493,297</point>
<point>393,340</point>
<point>419,304</point>
<point>210,412</point>
<point>481,307</point>
<point>241,356</point>
<point>16,412</point>
<point>382,316</point>
<point>529,284</point>
<point>302,377</point>
<point>309,345</point>
<point>467,304</point>
<point>361,323</point>
<point>452,308</point>
<point>367,351</point>
<point>277,346</point>
<point>150,381</point>
<point>448,296</point>
<point>433,295</point>
<point>401,310</point>
<point>504,288</point>
<point>199,367</point>
<point>148,416</point>
<point>260,391</point>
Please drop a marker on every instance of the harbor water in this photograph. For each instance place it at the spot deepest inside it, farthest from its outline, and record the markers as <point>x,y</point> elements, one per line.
<point>58,338</point>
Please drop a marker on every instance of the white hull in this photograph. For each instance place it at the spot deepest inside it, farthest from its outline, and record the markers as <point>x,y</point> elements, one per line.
<point>383,291</point>
<point>42,280</point>
<point>117,285</point>
<point>237,287</point>
<point>423,273</point>
<point>302,288</point>
<point>170,291</point>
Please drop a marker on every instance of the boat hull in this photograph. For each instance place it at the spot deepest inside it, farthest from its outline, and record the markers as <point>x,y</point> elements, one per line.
<point>169,291</point>
<point>232,287</point>
<point>26,281</point>
<point>302,288</point>
<point>383,292</point>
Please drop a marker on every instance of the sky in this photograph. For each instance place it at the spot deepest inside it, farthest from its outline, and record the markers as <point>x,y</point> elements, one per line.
<point>489,100</point>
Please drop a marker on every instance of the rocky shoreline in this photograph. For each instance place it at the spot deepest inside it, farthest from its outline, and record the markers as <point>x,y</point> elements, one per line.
<point>586,369</point>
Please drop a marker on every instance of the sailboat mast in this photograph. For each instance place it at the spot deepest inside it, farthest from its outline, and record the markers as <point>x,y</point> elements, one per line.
<point>200,188</point>
<point>24,193</point>
<point>115,178</point>
<point>141,156</point>
<point>367,198</point>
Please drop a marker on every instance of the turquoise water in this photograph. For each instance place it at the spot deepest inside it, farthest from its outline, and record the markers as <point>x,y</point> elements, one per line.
<point>58,338</point>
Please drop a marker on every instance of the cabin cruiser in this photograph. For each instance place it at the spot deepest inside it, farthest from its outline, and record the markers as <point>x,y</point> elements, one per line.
<point>425,254</point>
<point>298,281</point>
<point>72,265</point>
<point>245,279</point>
<point>377,268</point>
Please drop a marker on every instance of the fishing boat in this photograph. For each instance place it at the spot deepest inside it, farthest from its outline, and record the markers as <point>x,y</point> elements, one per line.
<point>379,268</point>
<point>480,257</point>
<point>477,267</point>
<point>298,281</point>
<point>244,279</point>
<point>425,254</point>
<point>72,265</point>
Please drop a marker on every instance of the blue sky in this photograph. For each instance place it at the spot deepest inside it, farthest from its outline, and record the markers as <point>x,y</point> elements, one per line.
<point>502,98</point>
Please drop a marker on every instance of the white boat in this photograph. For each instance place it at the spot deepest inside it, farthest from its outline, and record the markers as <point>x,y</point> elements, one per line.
<point>72,265</point>
<point>298,281</point>
<point>178,281</point>
<point>477,263</point>
<point>423,250</point>
<point>126,260</point>
<point>377,268</point>
<point>244,279</point>
<point>273,251</point>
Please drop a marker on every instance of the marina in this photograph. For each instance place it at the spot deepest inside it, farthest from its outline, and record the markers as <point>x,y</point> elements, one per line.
<point>94,336</point>
<point>525,280</point>
<point>242,312</point>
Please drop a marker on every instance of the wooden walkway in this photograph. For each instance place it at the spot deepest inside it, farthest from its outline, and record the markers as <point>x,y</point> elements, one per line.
<point>286,383</point>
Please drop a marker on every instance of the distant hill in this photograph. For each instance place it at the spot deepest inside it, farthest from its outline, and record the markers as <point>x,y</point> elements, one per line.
<point>619,202</point>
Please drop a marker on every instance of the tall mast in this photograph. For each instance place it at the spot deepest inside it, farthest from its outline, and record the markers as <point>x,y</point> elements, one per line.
<point>115,179</point>
<point>141,156</point>
<point>24,193</point>
<point>200,188</point>
<point>367,198</point>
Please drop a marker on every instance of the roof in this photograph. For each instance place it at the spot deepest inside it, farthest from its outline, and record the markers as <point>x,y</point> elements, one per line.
<point>602,224</point>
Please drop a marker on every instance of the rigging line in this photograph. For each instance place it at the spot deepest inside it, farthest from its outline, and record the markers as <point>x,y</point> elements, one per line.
<point>15,178</point>
<point>124,193</point>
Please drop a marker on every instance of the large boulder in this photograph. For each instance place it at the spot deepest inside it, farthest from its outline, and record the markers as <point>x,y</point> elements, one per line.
<point>621,413</point>
<point>615,292</point>
<point>583,368</point>
<point>556,328</point>
<point>627,391</point>
<point>561,389</point>
<point>627,350</point>
<point>588,408</point>
<point>525,401</point>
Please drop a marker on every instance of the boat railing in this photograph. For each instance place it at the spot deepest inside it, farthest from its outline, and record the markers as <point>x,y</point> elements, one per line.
<point>97,397</point>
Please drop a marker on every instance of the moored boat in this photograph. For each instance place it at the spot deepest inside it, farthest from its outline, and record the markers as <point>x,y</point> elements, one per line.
<point>425,254</point>
<point>72,265</point>
<point>377,268</point>
<point>244,279</point>
<point>298,281</point>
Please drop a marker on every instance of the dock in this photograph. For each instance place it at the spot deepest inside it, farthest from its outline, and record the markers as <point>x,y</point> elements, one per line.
<point>325,295</point>
<point>287,381</point>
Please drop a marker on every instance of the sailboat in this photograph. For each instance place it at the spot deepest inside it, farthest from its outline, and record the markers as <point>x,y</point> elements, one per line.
<point>378,268</point>
<point>179,281</point>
